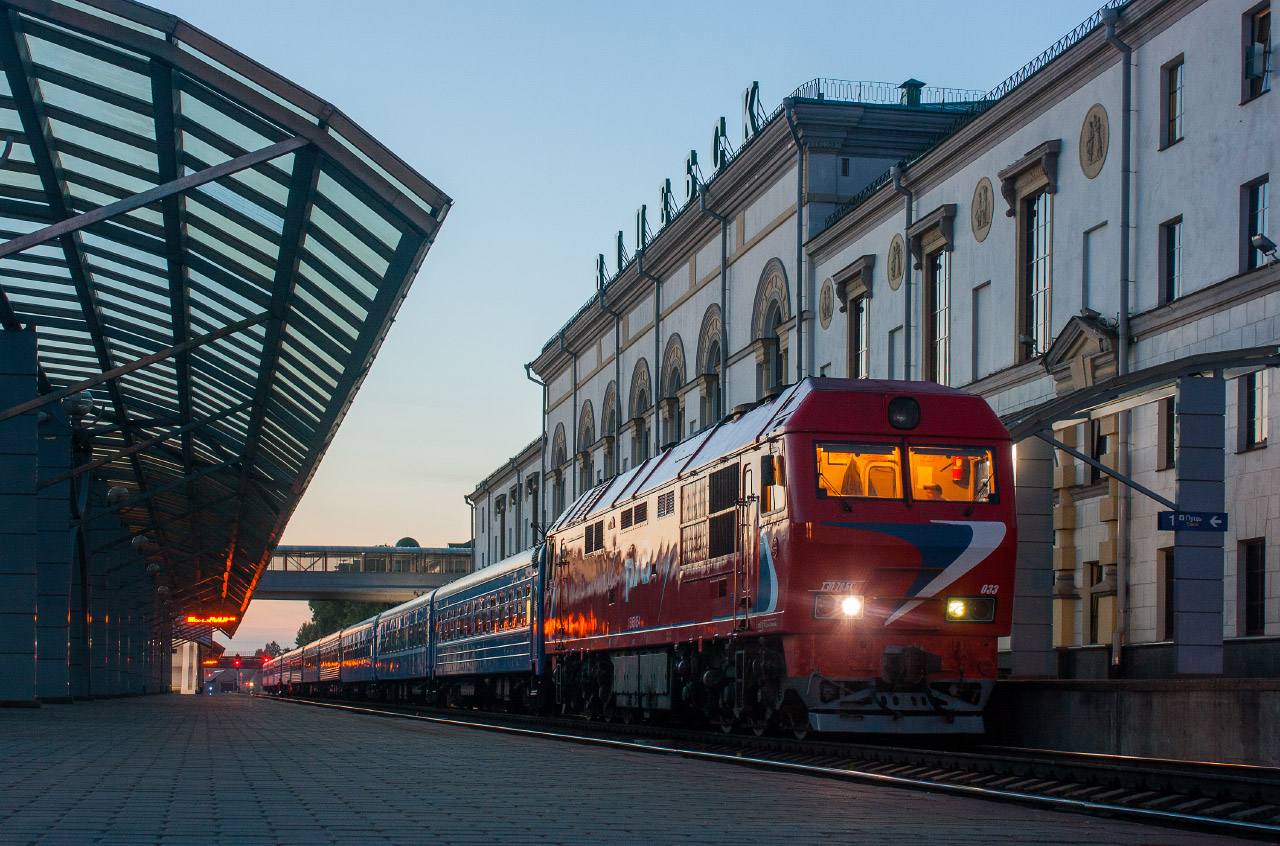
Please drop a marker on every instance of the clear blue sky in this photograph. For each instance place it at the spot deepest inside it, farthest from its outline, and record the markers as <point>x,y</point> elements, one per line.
<point>549,124</point>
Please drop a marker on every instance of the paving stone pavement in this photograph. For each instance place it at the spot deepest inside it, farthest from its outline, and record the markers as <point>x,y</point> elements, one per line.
<point>179,770</point>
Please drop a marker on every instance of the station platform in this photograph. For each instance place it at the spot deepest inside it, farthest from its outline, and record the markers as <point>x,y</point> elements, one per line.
<point>234,769</point>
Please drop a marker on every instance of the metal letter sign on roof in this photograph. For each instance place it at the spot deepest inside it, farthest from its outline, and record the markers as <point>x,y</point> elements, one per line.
<point>219,249</point>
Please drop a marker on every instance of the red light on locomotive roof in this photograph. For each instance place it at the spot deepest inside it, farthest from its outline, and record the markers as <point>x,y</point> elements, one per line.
<point>215,619</point>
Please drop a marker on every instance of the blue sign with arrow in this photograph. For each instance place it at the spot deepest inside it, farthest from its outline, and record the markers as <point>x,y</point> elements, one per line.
<point>1191,521</point>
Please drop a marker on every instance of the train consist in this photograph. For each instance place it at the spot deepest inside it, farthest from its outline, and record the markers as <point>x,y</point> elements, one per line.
<point>838,558</point>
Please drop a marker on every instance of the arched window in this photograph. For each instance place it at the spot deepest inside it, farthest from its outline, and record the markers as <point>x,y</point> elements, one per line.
<point>586,440</point>
<point>559,457</point>
<point>641,401</point>
<point>609,430</point>
<point>671,410</point>
<point>770,316</point>
<point>709,363</point>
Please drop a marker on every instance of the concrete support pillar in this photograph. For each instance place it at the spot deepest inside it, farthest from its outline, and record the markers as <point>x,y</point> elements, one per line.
<point>97,618</point>
<point>1032,640</point>
<point>1197,556</point>
<point>78,652</point>
<point>18,467</point>
<point>53,566</point>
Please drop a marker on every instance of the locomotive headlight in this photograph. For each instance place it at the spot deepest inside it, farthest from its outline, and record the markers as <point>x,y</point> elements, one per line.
<point>834,606</point>
<point>971,609</point>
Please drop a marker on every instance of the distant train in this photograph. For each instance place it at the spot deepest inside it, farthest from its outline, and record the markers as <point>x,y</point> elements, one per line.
<point>839,558</point>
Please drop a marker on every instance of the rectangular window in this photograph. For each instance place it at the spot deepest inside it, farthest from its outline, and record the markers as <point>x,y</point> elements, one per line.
<point>1096,572</point>
<point>1099,446</point>
<point>1172,103</point>
<point>1164,564</point>
<point>952,474</point>
<point>1252,411</point>
<point>864,470</point>
<point>1167,453</point>
<point>1171,260</point>
<point>1254,554</point>
<point>894,350</point>
<point>722,526</point>
<point>1255,221</point>
<point>859,339</point>
<point>978,356</point>
<point>938,318</point>
<point>1037,274</point>
<point>1257,52</point>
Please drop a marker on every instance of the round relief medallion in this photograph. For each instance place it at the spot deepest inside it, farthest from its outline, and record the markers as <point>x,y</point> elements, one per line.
<point>982,209</point>
<point>1094,137</point>
<point>826,303</point>
<point>897,261</point>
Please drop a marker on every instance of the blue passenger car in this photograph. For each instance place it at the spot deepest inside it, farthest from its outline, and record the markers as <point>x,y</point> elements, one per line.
<point>487,642</point>
<point>357,654</point>
<point>401,663</point>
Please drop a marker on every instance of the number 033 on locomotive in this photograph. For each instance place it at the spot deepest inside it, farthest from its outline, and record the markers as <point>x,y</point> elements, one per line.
<point>840,558</point>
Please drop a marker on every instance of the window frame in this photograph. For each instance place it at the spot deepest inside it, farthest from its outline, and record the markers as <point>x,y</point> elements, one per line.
<point>899,452</point>
<point>1033,265</point>
<point>1248,30</point>
<point>1255,197</point>
<point>937,311</point>
<point>1172,101</point>
<point>1170,260</point>
<point>1253,604</point>
<point>1252,423</point>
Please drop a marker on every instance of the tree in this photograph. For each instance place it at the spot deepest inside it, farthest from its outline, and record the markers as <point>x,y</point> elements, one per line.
<point>330,615</point>
<point>271,650</point>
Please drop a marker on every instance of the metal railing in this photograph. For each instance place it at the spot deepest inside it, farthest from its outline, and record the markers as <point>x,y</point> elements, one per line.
<point>881,93</point>
<point>374,560</point>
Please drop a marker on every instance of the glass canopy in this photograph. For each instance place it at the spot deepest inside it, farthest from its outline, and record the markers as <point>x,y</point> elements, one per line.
<point>261,271</point>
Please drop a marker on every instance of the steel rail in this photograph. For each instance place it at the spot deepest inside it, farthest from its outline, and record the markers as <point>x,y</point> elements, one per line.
<point>851,773</point>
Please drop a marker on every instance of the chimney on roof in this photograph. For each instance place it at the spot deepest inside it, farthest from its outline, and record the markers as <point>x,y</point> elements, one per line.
<point>911,92</point>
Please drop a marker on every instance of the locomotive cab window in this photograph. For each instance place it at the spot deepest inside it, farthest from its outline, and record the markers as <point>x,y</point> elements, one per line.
<point>952,474</point>
<point>859,470</point>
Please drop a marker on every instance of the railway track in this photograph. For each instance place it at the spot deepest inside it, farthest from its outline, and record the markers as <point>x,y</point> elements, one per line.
<point>1222,798</point>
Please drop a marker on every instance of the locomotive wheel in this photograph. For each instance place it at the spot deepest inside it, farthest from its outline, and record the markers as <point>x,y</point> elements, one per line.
<point>728,722</point>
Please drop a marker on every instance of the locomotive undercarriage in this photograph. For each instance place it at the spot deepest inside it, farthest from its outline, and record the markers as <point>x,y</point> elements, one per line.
<point>743,682</point>
<point>730,683</point>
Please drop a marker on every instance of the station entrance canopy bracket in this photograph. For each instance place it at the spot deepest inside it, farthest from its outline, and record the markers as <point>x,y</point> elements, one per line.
<point>216,252</point>
<point>1121,393</point>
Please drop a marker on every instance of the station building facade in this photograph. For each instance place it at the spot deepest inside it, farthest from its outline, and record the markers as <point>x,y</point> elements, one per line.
<point>1025,244</point>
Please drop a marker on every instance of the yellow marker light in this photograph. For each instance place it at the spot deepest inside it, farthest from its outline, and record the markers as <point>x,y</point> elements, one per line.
<point>851,606</point>
<point>971,609</point>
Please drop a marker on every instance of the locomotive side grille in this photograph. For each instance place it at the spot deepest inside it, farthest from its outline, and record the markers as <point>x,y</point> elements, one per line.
<point>626,519</point>
<point>641,513</point>
<point>666,504</point>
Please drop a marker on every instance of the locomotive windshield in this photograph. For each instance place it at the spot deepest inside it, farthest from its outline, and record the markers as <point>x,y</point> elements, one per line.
<point>865,470</point>
<point>953,474</point>
<point>950,474</point>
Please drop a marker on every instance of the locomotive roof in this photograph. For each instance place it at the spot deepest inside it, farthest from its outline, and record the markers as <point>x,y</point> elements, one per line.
<point>810,405</point>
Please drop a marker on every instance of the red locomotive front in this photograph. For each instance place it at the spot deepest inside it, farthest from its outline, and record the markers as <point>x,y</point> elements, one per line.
<point>840,558</point>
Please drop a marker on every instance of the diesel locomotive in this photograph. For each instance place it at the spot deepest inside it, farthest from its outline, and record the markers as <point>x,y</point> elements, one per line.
<point>838,558</point>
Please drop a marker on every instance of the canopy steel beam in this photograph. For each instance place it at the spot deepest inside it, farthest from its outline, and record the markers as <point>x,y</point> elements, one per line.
<point>302,187</point>
<point>141,497</point>
<point>21,78</point>
<point>1027,422</point>
<point>141,445</point>
<point>120,420</point>
<point>165,191</point>
<point>1102,468</point>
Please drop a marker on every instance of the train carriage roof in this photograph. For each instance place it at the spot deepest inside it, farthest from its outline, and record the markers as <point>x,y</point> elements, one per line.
<point>505,567</point>
<point>811,405</point>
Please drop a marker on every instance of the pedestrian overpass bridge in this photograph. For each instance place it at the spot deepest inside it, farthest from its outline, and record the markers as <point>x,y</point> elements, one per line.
<point>360,573</point>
